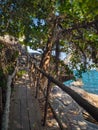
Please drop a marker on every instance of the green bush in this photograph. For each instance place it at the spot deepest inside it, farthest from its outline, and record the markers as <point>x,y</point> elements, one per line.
<point>21,73</point>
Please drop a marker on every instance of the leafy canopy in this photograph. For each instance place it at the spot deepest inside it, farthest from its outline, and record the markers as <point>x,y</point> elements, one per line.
<point>77,24</point>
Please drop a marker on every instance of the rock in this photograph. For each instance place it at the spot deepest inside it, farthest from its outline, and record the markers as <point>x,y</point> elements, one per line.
<point>55,90</point>
<point>69,112</point>
<point>77,83</point>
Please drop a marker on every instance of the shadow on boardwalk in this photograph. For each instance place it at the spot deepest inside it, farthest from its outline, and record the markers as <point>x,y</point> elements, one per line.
<point>24,108</point>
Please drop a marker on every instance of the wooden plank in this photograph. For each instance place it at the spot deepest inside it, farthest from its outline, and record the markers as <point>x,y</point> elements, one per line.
<point>19,110</point>
<point>15,120</point>
<point>34,112</point>
<point>16,108</point>
<point>17,89</point>
<point>31,112</point>
<point>22,92</point>
<point>1,107</point>
<point>24,114</point>
<point>34,116</point>
<point>24,108</point>
<point>24,111</point>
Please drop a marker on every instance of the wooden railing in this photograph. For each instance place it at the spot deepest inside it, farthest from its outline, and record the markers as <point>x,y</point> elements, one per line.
<point>91,109</point>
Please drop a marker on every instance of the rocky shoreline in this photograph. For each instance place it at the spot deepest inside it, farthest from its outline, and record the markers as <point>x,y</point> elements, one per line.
<point>92,98</point>
<point>70,113</point>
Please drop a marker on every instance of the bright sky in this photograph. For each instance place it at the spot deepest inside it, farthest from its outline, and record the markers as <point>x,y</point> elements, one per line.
<point>32,51</point>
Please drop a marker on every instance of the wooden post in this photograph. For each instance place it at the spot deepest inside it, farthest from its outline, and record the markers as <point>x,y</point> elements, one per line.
<point>37,85</point>
<point>46,103</point>
<point>30,73</point>
<point>34,75</point>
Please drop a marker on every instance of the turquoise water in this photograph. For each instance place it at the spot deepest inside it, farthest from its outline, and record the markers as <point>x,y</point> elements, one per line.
<point>90,80</point>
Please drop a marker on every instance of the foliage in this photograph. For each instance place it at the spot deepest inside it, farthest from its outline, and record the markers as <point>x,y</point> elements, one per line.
<point>76,27</point>
<point>10,69</point>
<point>8,56</point>
<point>3,79</point>
<point>21,73</point>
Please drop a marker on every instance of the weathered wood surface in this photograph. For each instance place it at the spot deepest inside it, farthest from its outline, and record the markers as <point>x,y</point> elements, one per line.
<point>1,107</point>
<point>24,110</point>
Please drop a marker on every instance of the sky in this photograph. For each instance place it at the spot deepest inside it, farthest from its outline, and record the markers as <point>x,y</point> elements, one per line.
<point>62,54</point>
<point>32,51</point>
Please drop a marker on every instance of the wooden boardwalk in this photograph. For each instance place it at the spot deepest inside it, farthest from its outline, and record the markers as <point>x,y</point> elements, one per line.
<point>24,108</point>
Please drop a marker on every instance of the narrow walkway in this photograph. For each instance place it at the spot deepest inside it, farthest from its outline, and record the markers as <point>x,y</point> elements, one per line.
<point>24,108</point>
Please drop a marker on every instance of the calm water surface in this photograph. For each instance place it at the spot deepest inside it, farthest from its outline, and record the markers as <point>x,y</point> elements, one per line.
<point>90,80</point>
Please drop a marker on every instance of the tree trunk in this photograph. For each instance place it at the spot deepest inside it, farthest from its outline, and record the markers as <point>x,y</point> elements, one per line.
<point>57,56</point>
<point>47,53</point>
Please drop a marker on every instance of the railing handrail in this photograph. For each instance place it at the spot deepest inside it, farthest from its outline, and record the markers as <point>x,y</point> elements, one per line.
<point>91,109</point>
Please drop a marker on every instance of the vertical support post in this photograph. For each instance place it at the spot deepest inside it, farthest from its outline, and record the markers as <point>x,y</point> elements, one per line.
<point>27,59</point>
<point>46,103</point>
<point>34,76</point>
<point>37,85</point>
<point>30,72</point>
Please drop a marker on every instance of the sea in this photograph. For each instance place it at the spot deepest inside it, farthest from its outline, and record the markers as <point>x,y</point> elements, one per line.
<point>90,81</point>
